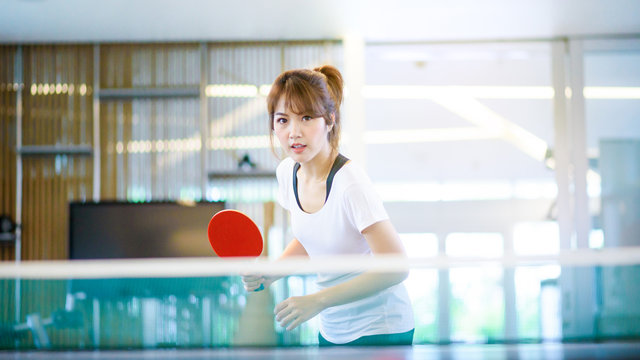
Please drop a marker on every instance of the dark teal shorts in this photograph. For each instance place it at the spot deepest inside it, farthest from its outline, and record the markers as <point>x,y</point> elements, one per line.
<point>405,338</point>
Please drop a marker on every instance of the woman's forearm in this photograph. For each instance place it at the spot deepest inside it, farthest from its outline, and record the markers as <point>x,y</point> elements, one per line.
<point>383,239</point>
<point>293,249</point>
<point>360,287</point>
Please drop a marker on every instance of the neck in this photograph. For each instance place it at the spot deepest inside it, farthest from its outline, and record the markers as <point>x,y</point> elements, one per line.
<point>319,167</point>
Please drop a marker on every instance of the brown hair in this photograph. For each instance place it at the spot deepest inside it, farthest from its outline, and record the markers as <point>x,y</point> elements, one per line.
<point>316,92</point>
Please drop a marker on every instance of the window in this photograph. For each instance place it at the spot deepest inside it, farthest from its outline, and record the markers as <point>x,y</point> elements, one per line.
<point>477,296</point>
<point>422,286</point>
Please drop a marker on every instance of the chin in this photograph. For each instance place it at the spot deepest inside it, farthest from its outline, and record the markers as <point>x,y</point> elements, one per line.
<point>299,157</point>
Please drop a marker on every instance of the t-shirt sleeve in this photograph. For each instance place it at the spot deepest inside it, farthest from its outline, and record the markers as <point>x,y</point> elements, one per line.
<point>284,179</point>
<point>363,205</point>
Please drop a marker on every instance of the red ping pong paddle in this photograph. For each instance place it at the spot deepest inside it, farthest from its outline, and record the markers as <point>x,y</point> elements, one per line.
<point>232,233</point>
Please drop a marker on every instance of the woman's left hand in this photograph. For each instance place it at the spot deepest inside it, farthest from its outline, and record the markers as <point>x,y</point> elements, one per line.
<point>296,310</point>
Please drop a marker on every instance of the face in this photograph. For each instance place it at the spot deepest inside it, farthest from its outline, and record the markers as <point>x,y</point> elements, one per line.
<point>301,136</point>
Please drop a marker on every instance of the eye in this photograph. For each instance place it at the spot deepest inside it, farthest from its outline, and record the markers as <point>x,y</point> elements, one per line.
<point>306,118</point>
<point>281,121</point>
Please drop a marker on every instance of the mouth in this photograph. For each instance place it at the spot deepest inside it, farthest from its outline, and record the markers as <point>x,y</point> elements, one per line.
<point>298,148</point>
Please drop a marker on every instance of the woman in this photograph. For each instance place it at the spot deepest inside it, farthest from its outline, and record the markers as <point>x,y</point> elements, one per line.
<point>334,211</point>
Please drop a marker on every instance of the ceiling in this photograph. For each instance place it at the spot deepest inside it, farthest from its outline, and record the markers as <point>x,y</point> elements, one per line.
<point>374,20</point>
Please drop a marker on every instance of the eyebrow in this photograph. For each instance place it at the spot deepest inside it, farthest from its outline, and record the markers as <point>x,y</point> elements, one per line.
<point>280,114</point>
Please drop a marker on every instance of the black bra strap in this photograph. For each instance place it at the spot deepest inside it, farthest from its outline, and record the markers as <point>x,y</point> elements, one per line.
<point>337,165</point>
<point>296,167</point>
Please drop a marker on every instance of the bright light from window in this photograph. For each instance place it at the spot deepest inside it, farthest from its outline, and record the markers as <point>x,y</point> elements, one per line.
<point>594,184</point>
<point>495,92</point>
<point>214,194</point>
<point>537,312</point>
<point>240,142</point>
<point>406,192</point>
<point>474,244</point>
<point>452,191</point>
<point>463,101</point>
<point>119,147</point>
<point>478,313</point>
<point>192,144</point>
<point>265,89</point>
<point>57,89</point>
<point>427,135</point>
<point>535,189</point>
<point>422,284</point>
<point>420,244</point>
<point>466,191</point>
<point>231,90</point>
<point>610,92</point>
<point>596,239</point>
<point>536,238</point>
<point>478,92</point>
<point>568,93</point>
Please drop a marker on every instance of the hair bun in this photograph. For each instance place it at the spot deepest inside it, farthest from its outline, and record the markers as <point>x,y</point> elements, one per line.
<point>334,81</point>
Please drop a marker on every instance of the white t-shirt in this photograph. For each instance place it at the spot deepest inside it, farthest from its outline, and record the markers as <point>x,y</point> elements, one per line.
<point>352,206</point>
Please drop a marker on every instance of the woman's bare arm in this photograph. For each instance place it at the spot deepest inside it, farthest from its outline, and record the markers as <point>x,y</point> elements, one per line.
<point>383,239</point>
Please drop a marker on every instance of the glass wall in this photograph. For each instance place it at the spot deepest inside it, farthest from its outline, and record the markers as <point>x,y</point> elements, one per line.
<point>458,138</point>
<point>422,285</point>
<point>612,110</point>
<point>612,122</point>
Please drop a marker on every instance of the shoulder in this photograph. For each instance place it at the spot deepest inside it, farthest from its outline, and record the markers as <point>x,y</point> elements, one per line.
<point>284,174</point>
<point>352,181</point>
<point>285,168</point>
<point>359,198</point>
<point>352,174</point>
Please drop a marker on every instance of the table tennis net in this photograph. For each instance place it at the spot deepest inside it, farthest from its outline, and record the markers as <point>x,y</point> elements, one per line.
<point>201,303</point>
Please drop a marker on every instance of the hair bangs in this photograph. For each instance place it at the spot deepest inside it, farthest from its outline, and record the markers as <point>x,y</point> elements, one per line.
<point>301,98</point>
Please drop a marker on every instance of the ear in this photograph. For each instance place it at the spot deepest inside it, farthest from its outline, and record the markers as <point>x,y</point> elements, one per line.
<point>333,121</point>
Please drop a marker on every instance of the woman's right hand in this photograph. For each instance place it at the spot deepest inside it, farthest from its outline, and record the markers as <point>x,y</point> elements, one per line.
<point>253,282</point>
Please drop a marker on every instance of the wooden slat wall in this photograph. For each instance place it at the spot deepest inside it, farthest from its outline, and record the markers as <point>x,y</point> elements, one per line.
<point>7,174</point>
<point>7,141</point>
<point>157,172</point>
<point>173,173</point>
<point>57,107</point>
<point>241,64</point>
<point>57,111</point>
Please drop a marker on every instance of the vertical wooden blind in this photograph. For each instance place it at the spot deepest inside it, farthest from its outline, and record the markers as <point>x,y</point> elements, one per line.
<point>7,169</point>
<point>56,86</point>
<point>147,142</point>
<point>57,112</point>
<point>8,91</point>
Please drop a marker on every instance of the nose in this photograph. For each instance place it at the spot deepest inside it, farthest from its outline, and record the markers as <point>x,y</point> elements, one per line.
<point>294,130</point>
